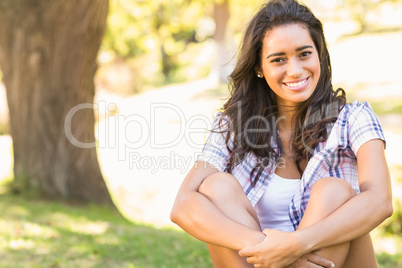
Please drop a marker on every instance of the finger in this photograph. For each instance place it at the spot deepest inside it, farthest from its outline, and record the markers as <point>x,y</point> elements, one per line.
<point>266,231</point>
<point>252,260</point>
<point>260,264</point>
<point>245,252</point>
<point>318,260</point>
<point>249,251</point>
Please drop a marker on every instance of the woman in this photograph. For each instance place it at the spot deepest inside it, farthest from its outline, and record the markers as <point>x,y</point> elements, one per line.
<point>287,156</point>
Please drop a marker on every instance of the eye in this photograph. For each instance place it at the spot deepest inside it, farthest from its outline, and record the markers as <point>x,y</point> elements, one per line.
<point>305,54</point>
<point>278,60</point>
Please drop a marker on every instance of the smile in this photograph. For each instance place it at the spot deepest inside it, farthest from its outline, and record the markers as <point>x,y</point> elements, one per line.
<point>297,85</point>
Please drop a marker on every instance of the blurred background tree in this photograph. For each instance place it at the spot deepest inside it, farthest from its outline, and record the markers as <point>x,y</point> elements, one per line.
<point>151,38</point>
<point>151,43</point>
<point>148,44</point>
<point>48,53</point>
<point>362,10</point>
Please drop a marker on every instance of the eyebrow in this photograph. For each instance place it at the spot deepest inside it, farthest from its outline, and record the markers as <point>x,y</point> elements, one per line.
<point>283,53</point>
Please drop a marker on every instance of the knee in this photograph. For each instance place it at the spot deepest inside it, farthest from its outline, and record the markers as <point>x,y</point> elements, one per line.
<point>333,190</point>
<point>220,184</point>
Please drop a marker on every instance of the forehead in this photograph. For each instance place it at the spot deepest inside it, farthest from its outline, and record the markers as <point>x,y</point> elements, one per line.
<point>287,37</point>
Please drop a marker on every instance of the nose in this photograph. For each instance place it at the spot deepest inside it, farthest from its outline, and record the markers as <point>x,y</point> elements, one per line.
<point>294,68</point>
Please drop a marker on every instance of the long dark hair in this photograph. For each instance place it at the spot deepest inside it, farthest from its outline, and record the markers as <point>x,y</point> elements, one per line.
<point>252,103</point>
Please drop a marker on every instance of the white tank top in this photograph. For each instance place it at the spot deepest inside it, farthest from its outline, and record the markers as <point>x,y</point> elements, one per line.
<point>273,207</point>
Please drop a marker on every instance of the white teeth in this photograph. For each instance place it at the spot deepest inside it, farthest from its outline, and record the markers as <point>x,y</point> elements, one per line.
<point>298,84</point>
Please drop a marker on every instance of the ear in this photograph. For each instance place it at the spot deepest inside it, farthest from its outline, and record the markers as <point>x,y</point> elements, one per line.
<point>258,72</point>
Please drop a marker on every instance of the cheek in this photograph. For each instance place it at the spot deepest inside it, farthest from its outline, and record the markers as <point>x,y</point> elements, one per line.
<point>272,75</point>
<point>271,80</point>
<point>317,67</point>
<point>318,74</point>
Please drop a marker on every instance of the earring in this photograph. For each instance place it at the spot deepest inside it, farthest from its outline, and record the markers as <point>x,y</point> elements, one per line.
<point>258,75</point>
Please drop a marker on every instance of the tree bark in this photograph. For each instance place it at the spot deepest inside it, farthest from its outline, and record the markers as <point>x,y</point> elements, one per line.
<point>221,18</point>
<point>48,51</point>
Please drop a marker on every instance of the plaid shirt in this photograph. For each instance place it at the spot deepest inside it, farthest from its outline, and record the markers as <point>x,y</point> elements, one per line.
<point>336,157</point>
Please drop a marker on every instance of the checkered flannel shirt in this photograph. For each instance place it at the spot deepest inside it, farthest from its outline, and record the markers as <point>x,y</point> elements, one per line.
<point>336,157</point>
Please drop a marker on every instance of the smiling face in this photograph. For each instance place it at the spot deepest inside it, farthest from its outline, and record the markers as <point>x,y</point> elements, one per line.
<point>290,63</point>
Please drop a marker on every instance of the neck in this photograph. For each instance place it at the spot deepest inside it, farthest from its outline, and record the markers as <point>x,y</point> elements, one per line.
<point>285,118</point>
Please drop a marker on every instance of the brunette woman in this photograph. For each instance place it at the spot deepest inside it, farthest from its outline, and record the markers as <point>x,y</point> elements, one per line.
<point>291,175</point>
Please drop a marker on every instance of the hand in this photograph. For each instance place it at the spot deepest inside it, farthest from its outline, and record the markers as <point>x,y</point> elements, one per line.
<point>311,260</point>
<point>277,250</point>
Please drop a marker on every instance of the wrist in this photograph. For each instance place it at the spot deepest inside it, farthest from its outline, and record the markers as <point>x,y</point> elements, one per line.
<point>254,238</point>
<point>303,243</point>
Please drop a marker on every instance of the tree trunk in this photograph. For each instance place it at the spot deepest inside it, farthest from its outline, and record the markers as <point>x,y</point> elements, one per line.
<point>221,16</point>
<point>48,55</point>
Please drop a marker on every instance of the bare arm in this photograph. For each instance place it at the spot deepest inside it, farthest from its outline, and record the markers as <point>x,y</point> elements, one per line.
<point>199,217</point>
<point>363,212</point>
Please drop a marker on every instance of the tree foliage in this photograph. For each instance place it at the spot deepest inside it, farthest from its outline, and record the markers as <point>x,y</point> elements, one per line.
<point>361,9</point>
<point>153,31</point>
<point>160,39</point>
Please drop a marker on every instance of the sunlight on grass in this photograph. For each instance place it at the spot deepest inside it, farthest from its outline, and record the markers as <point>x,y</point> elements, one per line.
<point>93,228</point>
<point>21,244</point>
<point>79,225</point>
<point>46,233</point>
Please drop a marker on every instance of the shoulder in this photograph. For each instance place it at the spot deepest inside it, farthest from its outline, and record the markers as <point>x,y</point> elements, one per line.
<point>217,132</point>
<point>360,123</point>
<point>220,122</point>
<point>357,110</point>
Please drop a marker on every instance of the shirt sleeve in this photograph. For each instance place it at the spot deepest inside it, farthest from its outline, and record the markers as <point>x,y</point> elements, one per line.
<point>215,151</point>
<point>364,126</point>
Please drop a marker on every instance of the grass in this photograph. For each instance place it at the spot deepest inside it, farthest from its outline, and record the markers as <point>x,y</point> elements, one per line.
<point>388,246</point>
<point>388,106</point>
<point>48,233</point>
<point>387,260</point>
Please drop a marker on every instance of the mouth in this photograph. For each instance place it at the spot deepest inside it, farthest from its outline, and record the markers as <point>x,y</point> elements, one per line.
<point>297,85</point>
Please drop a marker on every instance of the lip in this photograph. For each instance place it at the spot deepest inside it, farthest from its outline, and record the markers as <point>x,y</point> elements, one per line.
<point>301,85</point>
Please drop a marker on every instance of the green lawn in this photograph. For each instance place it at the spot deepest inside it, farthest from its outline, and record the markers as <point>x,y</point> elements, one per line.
<point>45,233</point>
